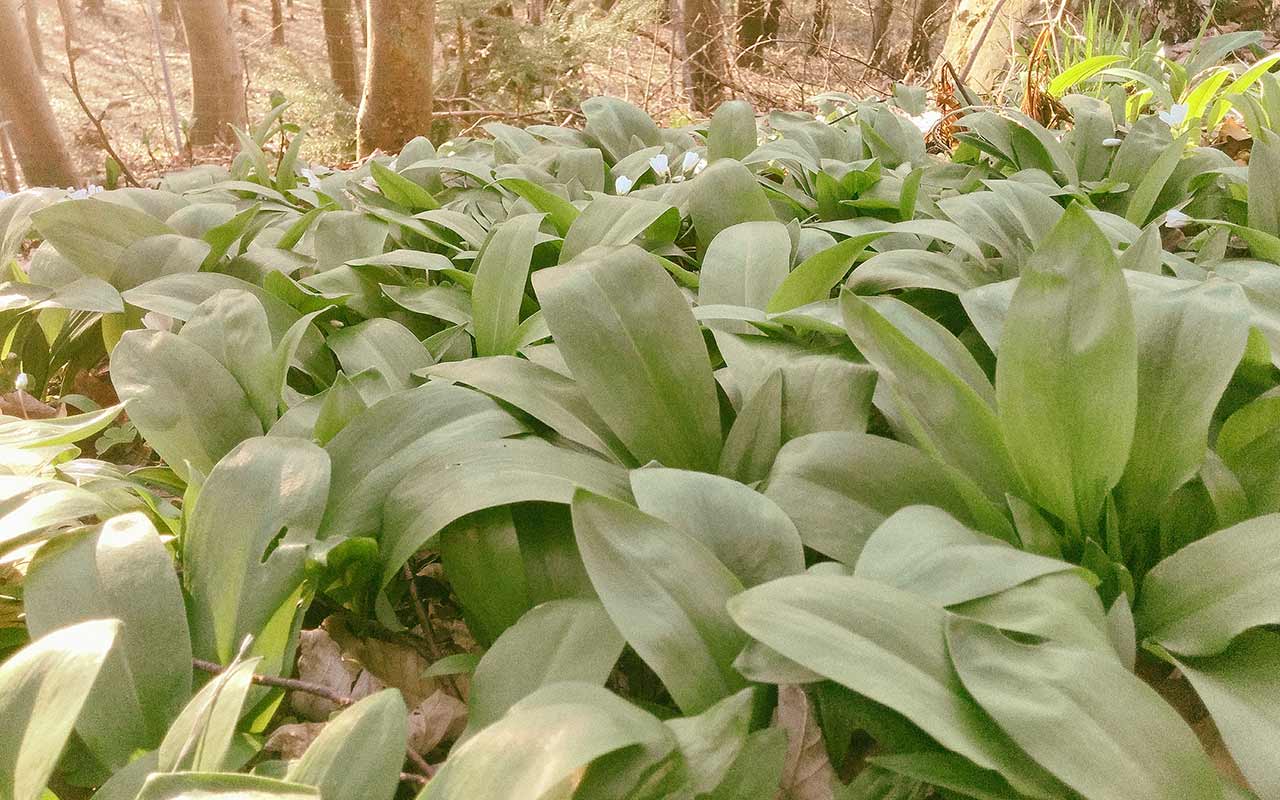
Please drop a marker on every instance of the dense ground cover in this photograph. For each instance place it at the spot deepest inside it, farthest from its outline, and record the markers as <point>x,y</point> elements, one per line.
<point>800,457</point>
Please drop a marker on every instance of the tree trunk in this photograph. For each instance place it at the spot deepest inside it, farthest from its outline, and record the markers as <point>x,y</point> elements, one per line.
<point>277,23</point>
<point>396,105</point>
<point>928,20</point>
<point>32,13</point>
<point>6,158</point>
<point>981,35</point>
<point>217,75</point>
<point>879,46</point>
<point>757,26</point>
<point>818,26</point>
<point>33,131</point>
<point>708,59</point>
<point>342,54</point>
<point>680,46</point>
<point>535,10</point>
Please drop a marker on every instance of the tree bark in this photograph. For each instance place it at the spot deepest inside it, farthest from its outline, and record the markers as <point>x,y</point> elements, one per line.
<point>31,10</point>
<point>217,75</point>
<point>277,23</point>
<point>396,104</point>
<point>708,59</point>
<point>342,53</point>
<point>928,20</point>
<point>757,27</point>
<point>879,46</point>
<point>33,131</point>
<point>535,10</point>
<point>981,35</point>
<point>818,26</point>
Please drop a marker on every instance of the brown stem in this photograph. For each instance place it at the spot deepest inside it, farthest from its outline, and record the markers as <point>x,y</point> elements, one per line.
<point>428,630</point>
<point>73,82</point>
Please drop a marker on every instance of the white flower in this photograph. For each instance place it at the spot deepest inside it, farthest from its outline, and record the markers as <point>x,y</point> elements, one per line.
<point>1176,219</point>
<point>1112,142</point>
<point>76,194</point>
<point>93,189</point>
<point>153,321</point>
<point>20,383</point>
<point>926,121</point>
<point>660,164</point>
<point>369,183</point>
<point>689,162</point>
<point>313,181</point>
<point>702,164</point>
<point>677,179</point>
<point>4,194</point>
<point>1175,115</point>
<point>622,184</point>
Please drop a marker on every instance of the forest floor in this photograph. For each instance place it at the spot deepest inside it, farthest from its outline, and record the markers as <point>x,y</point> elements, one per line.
<point>121,77</point>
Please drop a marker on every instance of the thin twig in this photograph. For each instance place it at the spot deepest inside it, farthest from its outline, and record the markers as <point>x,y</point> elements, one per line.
<point>337,698</point>
<point>982,39</point>
<point>428,630</point>
<point>73,82</point>
<point>292,684</point>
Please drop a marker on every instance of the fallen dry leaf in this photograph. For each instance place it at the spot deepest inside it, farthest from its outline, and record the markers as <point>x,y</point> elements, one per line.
<point>440,717</point>
<point>807,773</point>
<point>291,741</point>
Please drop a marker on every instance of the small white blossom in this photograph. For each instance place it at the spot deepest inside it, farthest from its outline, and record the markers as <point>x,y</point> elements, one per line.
<point>153,321</point>
<point>22,381</point>
<point>369,183</point>
<point>622,185</point>
<point>660,164</point>
<point>313,181</point>
<point>1111,142</point>
<point>677,179</point>
<point>1176,219</point>
<point>689,162</point>
<point>702,164</point>
<point>4,194</point>
<point>1175,115</point>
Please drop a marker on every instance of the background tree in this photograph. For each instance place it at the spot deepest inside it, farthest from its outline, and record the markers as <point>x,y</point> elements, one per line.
<point>979,38</point>
<point>757,26</point>
<point>341,50</point>
<point>277,23</point>
<point>31,10</point>
<point>704,37</point>
<point>32,129</point>
<point>217,74</point>
<point>929,17</point>
<point>396,104</point>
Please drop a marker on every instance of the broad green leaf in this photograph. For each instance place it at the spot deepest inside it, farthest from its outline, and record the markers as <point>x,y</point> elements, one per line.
<point>732,133</point>
<point>481,555</point>
<point>452,482</point>
<point>244,552</point>
<point>618,221</point>
<point>949,412</point>
<point>757,771</point>
<point>511,758</point>
<point>92,233</point>
<point>379,447</point>
<point>745,264</point>
<point>342,236</point>
<point>561,212</point>
<point>925,551</point>
<point>838,487</point>
<point>100,573</point>
<point>157,256</point>
<point>544,394</point>
<point>400,190</point>
<point>502,270</point>
<point>1238,687</point>
<point>666,592</point>
<point>383,345</point>
<point>888,646</point>
<point>191,410</point>
<point>1189,343</point>
<point>815,277</point>
<point>1264,197</point>
<point>753,441</point>
<point>1156,175</point>
<point>1081,71</point>
<point>745,530</point>
<point>1083,716</point>
<point>232,327</point>
<point>618,127</point>
<point>633,346</point>
<point>42,689</point>
<point>33,508</point>
<point>562,640</point>
<point>725,194</point>
<point>200,738</point>
<point>1060,606</point>
<point>36,433</point>
<point>358,754</point>
<point>210,785</point>
<point>1066,379</point>
<point>1247,443</point>
<point>1200,598</point>
<point>712,740</point>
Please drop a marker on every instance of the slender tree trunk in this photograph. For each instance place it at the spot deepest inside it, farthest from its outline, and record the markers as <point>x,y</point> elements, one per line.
<point>757,26</point>
<point>169,11</point>
<point>818,27</point>
<point>928,20</point>
<point>680,46</point>
<point>342,54</point>
<point>981,35</point>
<point>881,15</point>
<point>277,23</point>
<point>10,174</point>
<point>31,11</point>
<point>535,10</point>
<point>33,131</point>
<point>92,6</point>
<point>362,21</point>
<point>708,60</point>
<point>217,75</point>
<point>396,104</point>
